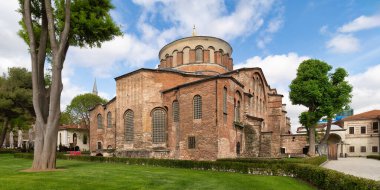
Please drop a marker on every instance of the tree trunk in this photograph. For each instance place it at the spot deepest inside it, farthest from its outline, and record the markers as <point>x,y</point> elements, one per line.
<point>327,133</point>
<point>4,132</point>
<point>311,142</point>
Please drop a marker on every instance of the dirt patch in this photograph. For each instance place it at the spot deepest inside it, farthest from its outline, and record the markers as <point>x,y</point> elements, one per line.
<point>48,170</point>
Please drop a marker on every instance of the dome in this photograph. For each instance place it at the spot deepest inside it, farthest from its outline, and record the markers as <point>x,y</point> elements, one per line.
<point>198,54</point>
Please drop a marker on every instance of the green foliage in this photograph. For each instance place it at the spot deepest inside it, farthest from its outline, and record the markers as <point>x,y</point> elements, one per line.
<point>377,157</point>
<point>16,97</point>
<point>90,24</point>
<point>318,160</point>
<point>78,109</point>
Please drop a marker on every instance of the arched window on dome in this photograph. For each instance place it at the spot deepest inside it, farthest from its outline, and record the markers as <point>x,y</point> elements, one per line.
<point>198,55</point>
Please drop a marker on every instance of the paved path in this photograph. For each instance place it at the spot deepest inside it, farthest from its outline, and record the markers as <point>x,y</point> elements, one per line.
<point>361,167</point>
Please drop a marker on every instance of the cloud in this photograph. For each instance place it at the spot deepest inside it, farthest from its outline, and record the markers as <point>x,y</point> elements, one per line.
<point>361,23</point>
<point>13,50</point>
<point>210,17</point>
<point>279,71</point>
<point>366,89</point>
<point>343,43</point>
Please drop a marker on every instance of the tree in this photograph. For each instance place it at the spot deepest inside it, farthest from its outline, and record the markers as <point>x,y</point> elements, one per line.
<point>308,89</point>
<point>337,98</point>
<point>15,100</point>
<point>50,29</point>
<point>79,106</point>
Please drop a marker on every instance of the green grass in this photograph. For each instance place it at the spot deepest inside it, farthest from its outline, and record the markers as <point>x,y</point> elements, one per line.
<point>92,175</point>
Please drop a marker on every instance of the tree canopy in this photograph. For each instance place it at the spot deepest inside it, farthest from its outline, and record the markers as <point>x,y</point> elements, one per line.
<point>322,92</point>
<point>78,109</point>
<point>16,107</point>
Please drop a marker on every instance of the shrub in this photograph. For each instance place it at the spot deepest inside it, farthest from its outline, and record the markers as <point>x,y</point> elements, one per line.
<point>8,151</point>
<point>377,157</point>
<point>312,160</point>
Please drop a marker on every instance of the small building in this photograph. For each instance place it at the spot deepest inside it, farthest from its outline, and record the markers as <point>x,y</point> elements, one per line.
<point>361,133</point>
<point>74,137</point>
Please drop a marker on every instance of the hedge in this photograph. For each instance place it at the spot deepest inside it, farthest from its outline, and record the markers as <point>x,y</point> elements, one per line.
<point>377,157</point>
<point>303,169</point>
<point>8,151</point>
<point>313,160</point>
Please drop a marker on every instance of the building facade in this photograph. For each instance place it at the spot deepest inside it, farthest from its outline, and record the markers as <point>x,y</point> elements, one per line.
<point>74,137</point>
<point>193,106</point>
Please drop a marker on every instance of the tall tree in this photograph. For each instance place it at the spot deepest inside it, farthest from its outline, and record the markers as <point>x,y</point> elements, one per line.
<point>337,98</point>
<point>15,99</point>
<point>79,106</point>
<point>50,29</point>
<point>308,89</point>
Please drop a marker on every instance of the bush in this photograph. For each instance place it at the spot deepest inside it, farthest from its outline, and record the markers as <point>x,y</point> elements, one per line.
<point>304,169</point>
<point>8,151</point>
<point>377,157</point>
<point>312,160</point>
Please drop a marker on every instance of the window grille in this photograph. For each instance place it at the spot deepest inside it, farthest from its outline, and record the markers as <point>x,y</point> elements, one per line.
<point>352,149</point>
<point>100,145</point>
<point>197,107</point>
<point>159,125</point>
<point>352,130</point>
<point>191,142</point>
<point>175,111</point>
<point>363,149</point>
<point>225,100</point>
<point>100,122</point>
<point>375,149</point>
<point>129,125</point>
<point>109,120</point>
<point>363,130</point>
<point>375,127</point>
<point>237,111</point>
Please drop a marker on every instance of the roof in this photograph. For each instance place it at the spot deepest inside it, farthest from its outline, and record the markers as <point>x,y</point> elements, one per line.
<point>169,70</point>
<point>73,126</point>
<point>373,114</point>
<point>204,80</point>
<point>321,127</point>
<point>104,105</point>
<point>248,69</point>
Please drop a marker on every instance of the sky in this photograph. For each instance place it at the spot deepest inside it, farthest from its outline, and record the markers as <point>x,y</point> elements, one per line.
<point>274,35</point>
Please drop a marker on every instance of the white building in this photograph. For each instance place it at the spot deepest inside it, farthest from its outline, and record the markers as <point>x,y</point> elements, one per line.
<point>361,136</point>
<point>72,136</point>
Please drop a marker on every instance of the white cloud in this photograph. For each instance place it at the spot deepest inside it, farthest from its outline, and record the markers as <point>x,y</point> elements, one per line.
<point>279,71</point>
<point>366,89</point>
<point>13,50</point>
<point>361,23</point>
<point>210,17</point>
<point>324,29</point>
<point>343,43</point>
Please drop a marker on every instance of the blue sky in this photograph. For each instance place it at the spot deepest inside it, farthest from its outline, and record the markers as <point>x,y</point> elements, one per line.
<point>274,35</point>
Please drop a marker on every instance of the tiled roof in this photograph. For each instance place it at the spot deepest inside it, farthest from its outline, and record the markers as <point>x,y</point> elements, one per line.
<point>73,126</point>
<point>374,114</point>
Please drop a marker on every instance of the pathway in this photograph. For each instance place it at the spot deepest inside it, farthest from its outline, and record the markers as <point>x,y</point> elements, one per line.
<point>361,167</point>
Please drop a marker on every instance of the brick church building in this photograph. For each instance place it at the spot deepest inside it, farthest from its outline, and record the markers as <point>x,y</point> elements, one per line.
<point>193,106</point>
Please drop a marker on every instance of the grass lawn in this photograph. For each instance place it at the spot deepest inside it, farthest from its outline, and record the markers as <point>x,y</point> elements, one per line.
<point>92,175</point>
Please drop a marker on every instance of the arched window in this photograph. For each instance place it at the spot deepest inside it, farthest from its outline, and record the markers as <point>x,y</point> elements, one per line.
<point>225,100</point>
<point>109,120</point>
<point>128,125</point>
<point>100,146</point>
<point>159,125</point>
<point>198,55</point>
<point>100,122</point>
<point>197,102</point>
<point>237,111</point>
<point>175,111</point>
